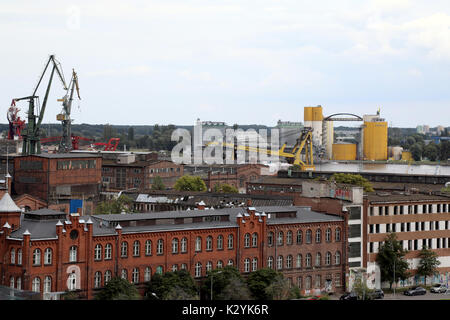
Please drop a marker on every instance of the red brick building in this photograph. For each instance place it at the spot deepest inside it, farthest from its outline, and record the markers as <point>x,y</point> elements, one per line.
<point>49,251</point>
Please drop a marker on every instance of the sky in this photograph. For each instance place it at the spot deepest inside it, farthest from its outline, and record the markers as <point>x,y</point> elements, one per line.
<point>246,62</point>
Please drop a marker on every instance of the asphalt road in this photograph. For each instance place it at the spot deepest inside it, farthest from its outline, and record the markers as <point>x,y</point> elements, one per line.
<point>427,296</point>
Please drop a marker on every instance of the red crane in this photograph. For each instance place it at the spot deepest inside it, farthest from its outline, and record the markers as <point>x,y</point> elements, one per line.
<point>111,145</point>
<point>75,140</point>
<point>16,125</point>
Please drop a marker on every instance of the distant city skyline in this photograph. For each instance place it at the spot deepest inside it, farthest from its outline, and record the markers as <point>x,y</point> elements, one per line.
<point>171,62</point>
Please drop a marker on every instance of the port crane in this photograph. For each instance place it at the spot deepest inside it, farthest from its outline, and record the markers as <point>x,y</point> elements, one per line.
<point>31,140</point>
<point>303,144</point>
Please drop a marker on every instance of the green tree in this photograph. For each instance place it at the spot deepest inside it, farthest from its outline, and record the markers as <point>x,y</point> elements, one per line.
<point>431,151</point>
<point>221,278</point>
<point>416,151</point>
<point>444,150</point>
<point>261,279</point>
<point>279,289</point>
<point>108,132</point>
<point>390,259</point>
<point>114,206</point>
<point>190,183</point>
<point>360,286</point>
<point>118,289</point>
<point>235,290</point>
<point>353,179</point>
<point>158,184</point>
<point>428,263</point>
<point>172,286</point>
<point>225,188</point>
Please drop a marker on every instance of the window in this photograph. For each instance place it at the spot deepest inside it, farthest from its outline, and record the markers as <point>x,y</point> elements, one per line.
<point>147,274</point>
<point>337,258</point>
<point>11,282</point>
<point>148,247</point>
<point>175,245</point>
<point>97,279</point>
<point>254,264</point>
<point>36,257</point>
<point>289,237</point>
<point>198,270</point>
<point>48,256</point>
<point>308,260</point>
<point>136,248</point>
<point>280,238</point>
<point>230,262</point>
<point>270,239</point>
<point>108,276</point>
<point>135,275</point>
<point>318,259</point>
<point>209,243</point>
<point>338,234</point>
<point>328,258</point>
<point>318,281</point>
<point>208,266</point>
<point>247,265</point>
<point>108,251</point>
<point>124,249</point>
<point>219,242</point>
<point>230,241</point>
<point>299,261</point>
<point>73,254</point>
<point>124,274</point>
<point>198,244</point>
<point>299,236</point>
<point>13,256</point>
<point>270,262</point>
<point>308,283</point>
<point>36,284</point>
<point>72,282</point>
<point>19,257</point>
<point>19,283</point>
<point>220,264</point>
<point>247,240</point>
<point>318,236</point>
<point>174,267</point>
<point>98,252</point>
<point>160,246</point>
<point>337,280</point>
<point>255,240</point>
<point>280,262</point>
<point>299,282</point>
<point>308,236</point>
<point>289,262</point>
<point>328,235</point>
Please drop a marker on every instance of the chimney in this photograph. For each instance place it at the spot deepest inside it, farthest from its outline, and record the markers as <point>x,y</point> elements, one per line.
<point>251,210</point>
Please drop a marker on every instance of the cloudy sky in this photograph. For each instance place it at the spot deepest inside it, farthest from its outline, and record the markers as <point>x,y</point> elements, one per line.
<point>238,61</point>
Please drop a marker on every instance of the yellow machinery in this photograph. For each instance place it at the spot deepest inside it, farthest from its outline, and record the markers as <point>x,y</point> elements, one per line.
<point>294,157</point>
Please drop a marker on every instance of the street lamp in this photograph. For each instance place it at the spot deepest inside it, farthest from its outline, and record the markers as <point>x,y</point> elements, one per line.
<point>212,274</point>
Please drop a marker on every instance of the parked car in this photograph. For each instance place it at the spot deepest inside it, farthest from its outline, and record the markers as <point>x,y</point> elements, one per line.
<point>377,294</point>
<point>349,296</point>
<point>415,291</point>
<point>438,288</point>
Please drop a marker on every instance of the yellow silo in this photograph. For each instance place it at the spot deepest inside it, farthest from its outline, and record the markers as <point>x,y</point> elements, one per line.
<point>344,151</point>
<point>308,114</point>
<point>317,113</point>
<point>375,140</point>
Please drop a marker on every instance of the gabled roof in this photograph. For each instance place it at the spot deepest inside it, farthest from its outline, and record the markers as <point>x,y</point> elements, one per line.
<point>8,205</point>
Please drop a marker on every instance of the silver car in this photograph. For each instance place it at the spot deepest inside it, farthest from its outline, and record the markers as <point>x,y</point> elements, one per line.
<point>438,288</point>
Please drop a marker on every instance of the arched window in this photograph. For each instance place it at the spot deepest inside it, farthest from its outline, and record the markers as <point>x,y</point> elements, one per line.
<point>160,246</point>
<point>148,247</point>
<point>174,267</point>
<point>289,237</point>
<point>280,262</point>
<point>147,274</point>
<point>97,279</point>
<point>198,270</point>
<point>247,240</point>
<point>159,269</point>
<point>183,266</point>
<point>220,264</point>
<point>175,245</point>
<point>255,264</point>
<point>136,248</point>
<point>299,282</point>
<point>299,261</point>
<point>108,276</point>
<point>289,262</point>
<point>135,275</point>
<point>230,262</point>
<point>337,258</point>
<point>230,241</point>
<point>328,258</point>
<point>108,251</point>
<point>198,244</point>
<point>98,252</point>
<point>270,239</point>
<point>13,256</point>
<point>338,234</point>
<point>19,283</point>
<point>48,256</point>
<point>318,259</point>
<point>280,238</point>
<point>36,284</point>
<point>219,242</point>
<point>184,242</point>
<point>247,265</point>
<point>328,235</point>
<point>19,257</point>
<point>72,282</point>
<point>37,257</point>
<point>270,262</point>
<point>299,236</point>
<point>209,243</point>
<point>208,266</point>
<point>124,249</point>
<point>318,236</point>
<point>254,240</point>
<point>308,281</point>
<point>318,281</point>
<point>308,236</point>
<point>308,260</point>
<point>124,274</point>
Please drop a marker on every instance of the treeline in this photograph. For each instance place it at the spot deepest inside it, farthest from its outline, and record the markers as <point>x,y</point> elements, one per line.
<point>416,144</point>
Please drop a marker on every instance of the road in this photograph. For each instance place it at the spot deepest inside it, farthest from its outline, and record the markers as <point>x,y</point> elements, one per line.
<point>427,296</point>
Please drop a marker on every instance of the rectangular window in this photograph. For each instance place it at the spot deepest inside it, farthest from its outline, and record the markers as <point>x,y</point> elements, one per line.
<point>354,230</point>
<point>408,226</point>
<point>371,228</point>
<point>354,213</point>
<point>377,228</point>
<point>416,244</point>
<point>355,249</point>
